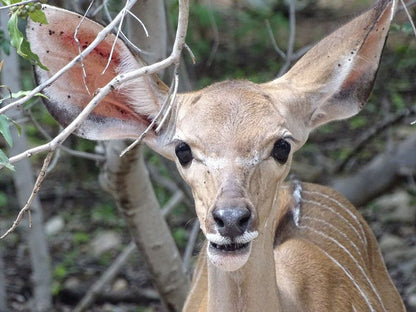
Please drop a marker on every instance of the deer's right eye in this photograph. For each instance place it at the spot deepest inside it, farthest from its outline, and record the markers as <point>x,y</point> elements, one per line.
<point>281,151</point>
<point>184,153</point>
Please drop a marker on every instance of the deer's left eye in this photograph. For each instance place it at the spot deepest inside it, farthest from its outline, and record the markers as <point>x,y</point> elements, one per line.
<point>281,151</point>
<point>184,153</point>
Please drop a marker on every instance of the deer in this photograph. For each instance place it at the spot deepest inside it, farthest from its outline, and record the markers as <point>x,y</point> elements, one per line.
<point>271,244</point>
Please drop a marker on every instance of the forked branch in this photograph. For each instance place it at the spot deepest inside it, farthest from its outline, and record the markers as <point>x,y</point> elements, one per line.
<point>52,145</point>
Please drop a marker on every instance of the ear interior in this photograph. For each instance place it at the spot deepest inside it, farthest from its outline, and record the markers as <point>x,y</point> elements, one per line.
<point>335,78</point>
<point>126,111</point>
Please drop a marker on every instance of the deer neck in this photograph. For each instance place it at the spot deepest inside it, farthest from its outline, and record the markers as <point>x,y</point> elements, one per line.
<point>251,288</point>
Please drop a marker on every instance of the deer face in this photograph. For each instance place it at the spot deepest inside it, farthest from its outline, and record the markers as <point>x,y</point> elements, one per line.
<point>233,148</point>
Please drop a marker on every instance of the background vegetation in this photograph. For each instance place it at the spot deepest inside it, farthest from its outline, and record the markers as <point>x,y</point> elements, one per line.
<point>230,40</point>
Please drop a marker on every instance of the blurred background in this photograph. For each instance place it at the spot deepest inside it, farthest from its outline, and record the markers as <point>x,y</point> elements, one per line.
<point>371,158</point>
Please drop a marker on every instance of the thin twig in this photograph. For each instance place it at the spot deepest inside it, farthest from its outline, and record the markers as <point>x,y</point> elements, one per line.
<point>172,99</point>
<point>140,22</point>
<point>99,38</point>
<point>120,26</point>
<point>84,74</point>
<point>45,134</point>
<point>273,40</point>
<point>409,16</point>
<point>292,35</point>
<point>152,123</point>
<point>191,54</point>
<point>116,82</point>
<point>190,246</point>
<point>17,4</point>
<point>54,161</point>
<point>215,32</point>
<point>128,42</point>
<point>408,5</point>
<point>173,202</point>
<point>106,278</point>
<point>35,191</point>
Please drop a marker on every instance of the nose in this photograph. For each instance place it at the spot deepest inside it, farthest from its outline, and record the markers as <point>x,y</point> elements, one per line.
<point>232,221</point>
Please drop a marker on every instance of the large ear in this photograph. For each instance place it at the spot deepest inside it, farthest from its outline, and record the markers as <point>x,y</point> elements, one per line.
<point>126,111</point>
<point>335,78</point>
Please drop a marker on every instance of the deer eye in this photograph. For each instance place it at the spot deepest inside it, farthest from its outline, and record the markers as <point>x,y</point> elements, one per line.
<point>184,153</point>
<point>281,150</point>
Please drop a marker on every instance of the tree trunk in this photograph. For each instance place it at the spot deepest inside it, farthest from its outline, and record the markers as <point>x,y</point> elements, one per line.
<point>128,181</point>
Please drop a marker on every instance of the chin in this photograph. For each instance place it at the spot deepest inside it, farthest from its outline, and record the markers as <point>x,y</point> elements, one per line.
<point>230,255</point>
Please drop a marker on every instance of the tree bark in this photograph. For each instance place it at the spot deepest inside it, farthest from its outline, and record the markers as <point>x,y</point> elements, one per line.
<point>127,178</point>
<point>128,181</point>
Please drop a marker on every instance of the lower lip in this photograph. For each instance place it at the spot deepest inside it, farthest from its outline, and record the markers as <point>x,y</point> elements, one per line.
<point>230,258</point>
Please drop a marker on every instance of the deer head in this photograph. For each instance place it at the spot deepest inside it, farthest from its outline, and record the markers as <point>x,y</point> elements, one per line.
<point>233,141</point>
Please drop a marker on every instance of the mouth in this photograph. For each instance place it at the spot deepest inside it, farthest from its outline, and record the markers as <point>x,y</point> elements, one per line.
<point>227,254</point>
<point>233,247</point>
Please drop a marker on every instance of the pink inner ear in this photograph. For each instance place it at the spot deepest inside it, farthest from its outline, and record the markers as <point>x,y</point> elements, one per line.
<point>84,86</point>
<point>79,85</point>
<point>370,52</point>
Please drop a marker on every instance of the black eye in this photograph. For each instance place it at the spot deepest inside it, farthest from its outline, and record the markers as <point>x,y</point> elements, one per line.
<point>281,150</point>
<point>184,153</point>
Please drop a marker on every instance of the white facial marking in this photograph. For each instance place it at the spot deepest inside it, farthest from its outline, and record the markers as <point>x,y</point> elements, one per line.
<point>241,239</point>
<point>230,261</point>
<point>298,198</point>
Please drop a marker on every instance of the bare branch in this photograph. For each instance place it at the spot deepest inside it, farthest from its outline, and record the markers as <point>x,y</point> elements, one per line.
<point>215,31</point>
<point>130,44</point>
<point>140,22</point>
<point>90,156</point>
<point>172,203</point>
<point>172,98</point>
<point>120,26</point>
<point>273,41</point>
<point>408,5</point>
<point>84,74</point>
<point>292,35</point>
<point>17,4</point>
<point>173,58</point>
<point>35,190</point>
<point>190,246</point>
<point>100,37</point>
<point>106,278</point>
<point>409,16</point>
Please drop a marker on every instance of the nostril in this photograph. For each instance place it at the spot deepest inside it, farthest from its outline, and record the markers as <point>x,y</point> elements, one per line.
<point>219,222</point>
<point>243,222</point>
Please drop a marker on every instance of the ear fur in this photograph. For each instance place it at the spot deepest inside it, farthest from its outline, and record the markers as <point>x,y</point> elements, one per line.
<point>126,111</point>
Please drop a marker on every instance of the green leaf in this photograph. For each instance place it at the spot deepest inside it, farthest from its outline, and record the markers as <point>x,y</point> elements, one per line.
<point>20,43</point>
<point>5,129</point>
<point>20,94</point>
<point>23,93</point>
<point>4,161</point>
<point>38,16</point>
<point>17,126</point>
